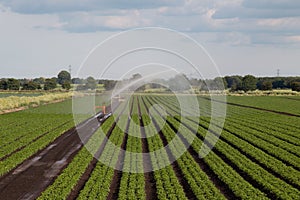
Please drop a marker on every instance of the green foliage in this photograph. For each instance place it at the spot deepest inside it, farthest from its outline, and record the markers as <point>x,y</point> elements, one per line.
<point>108,84</point>
<point>50,84</point>
<point>3,84</point>
<point>40,80</point>
<point>249,83</point>
<point>30,131</point>
<point>264,85</point>
<point>234,82</point>
<point>91,83</point>
<point>13,84</point>
<point>295,86</point>
<point>63,77</point>
<point>256,156</point>
<point>66,85</point>
<point>31,85</point>
<point>77,81</point>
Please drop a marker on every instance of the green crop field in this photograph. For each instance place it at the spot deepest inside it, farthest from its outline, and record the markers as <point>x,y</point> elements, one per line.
<point>257,155</point>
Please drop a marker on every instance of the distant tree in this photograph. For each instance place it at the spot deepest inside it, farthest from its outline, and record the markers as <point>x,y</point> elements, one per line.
<point>290,80</point>
<point>91,83</point>
<point>234,82</point>
<point>40,80</point>
<point>30,85</point>
<point>264,85</point>
<point>63,76</point>
<point>295,86</point>
<point>3,84</point>
<point>76,81</point>
<point>13,84</point>
<point>278,83</point>
<point>50,84</point>
<point>108,84</point>
<point>136,76</point>
<point>55,79</point>
<point>249,83</point>
<point>219,83</point>
<point>66,85</point>
<point>23,81</point>
<point>155,85</point>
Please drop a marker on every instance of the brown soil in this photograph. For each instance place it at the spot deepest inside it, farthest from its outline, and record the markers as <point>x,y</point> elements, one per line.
<point>150,186</point>
<point>13,110</point>
<point>116,182</point>
<point>35,174</point>
<point>86,175</point>
<point>178,172</point>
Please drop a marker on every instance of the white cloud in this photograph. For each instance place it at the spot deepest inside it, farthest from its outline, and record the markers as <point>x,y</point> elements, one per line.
<point>60,6</point>
<point>272,4</point>
<point>294,38</point>
<point>40,37</point>
<point>233,39</point>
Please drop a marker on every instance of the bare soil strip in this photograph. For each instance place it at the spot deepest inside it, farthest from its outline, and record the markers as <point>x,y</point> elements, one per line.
<point>178,172</point>
<point>150,186</point>
<point>86,175</point>
<point>116,181</point>
<point>35,174</point>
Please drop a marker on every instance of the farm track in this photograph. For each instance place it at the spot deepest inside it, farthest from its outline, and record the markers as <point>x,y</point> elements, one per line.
<point>150,186</point>
<point>44,166</point>
<point>256,108</point>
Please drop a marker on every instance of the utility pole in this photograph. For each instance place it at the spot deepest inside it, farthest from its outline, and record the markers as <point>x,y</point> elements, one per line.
<point>278,72</point>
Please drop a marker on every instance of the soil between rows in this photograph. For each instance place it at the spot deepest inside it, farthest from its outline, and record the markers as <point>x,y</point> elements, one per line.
<point>35,174</point>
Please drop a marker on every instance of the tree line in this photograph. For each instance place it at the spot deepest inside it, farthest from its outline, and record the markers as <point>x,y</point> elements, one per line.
<point>177,83</point>
<point>249,82</point>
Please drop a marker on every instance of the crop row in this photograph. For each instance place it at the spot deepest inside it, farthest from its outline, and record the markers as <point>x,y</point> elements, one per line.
<point>68,179</point>
<point>234,181</point>
<point>98,184</point>
<point>198,181</point>
<point>18,157</point>
<point>269,183</point>
<point>167,184</point>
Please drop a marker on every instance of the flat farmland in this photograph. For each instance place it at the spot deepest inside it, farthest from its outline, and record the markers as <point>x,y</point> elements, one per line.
<point>257,155</point>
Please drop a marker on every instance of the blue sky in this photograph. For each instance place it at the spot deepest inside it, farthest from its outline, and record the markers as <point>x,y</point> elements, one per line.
<point>41,37</point>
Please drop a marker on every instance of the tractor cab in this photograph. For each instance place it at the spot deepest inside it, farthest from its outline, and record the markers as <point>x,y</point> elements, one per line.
<point>102,115</point>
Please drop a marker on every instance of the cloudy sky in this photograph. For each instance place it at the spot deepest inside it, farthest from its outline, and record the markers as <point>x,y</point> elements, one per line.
<point>41,37</point>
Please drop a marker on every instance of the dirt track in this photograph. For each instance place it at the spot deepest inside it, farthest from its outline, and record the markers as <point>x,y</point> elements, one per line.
<point>30,178</point>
